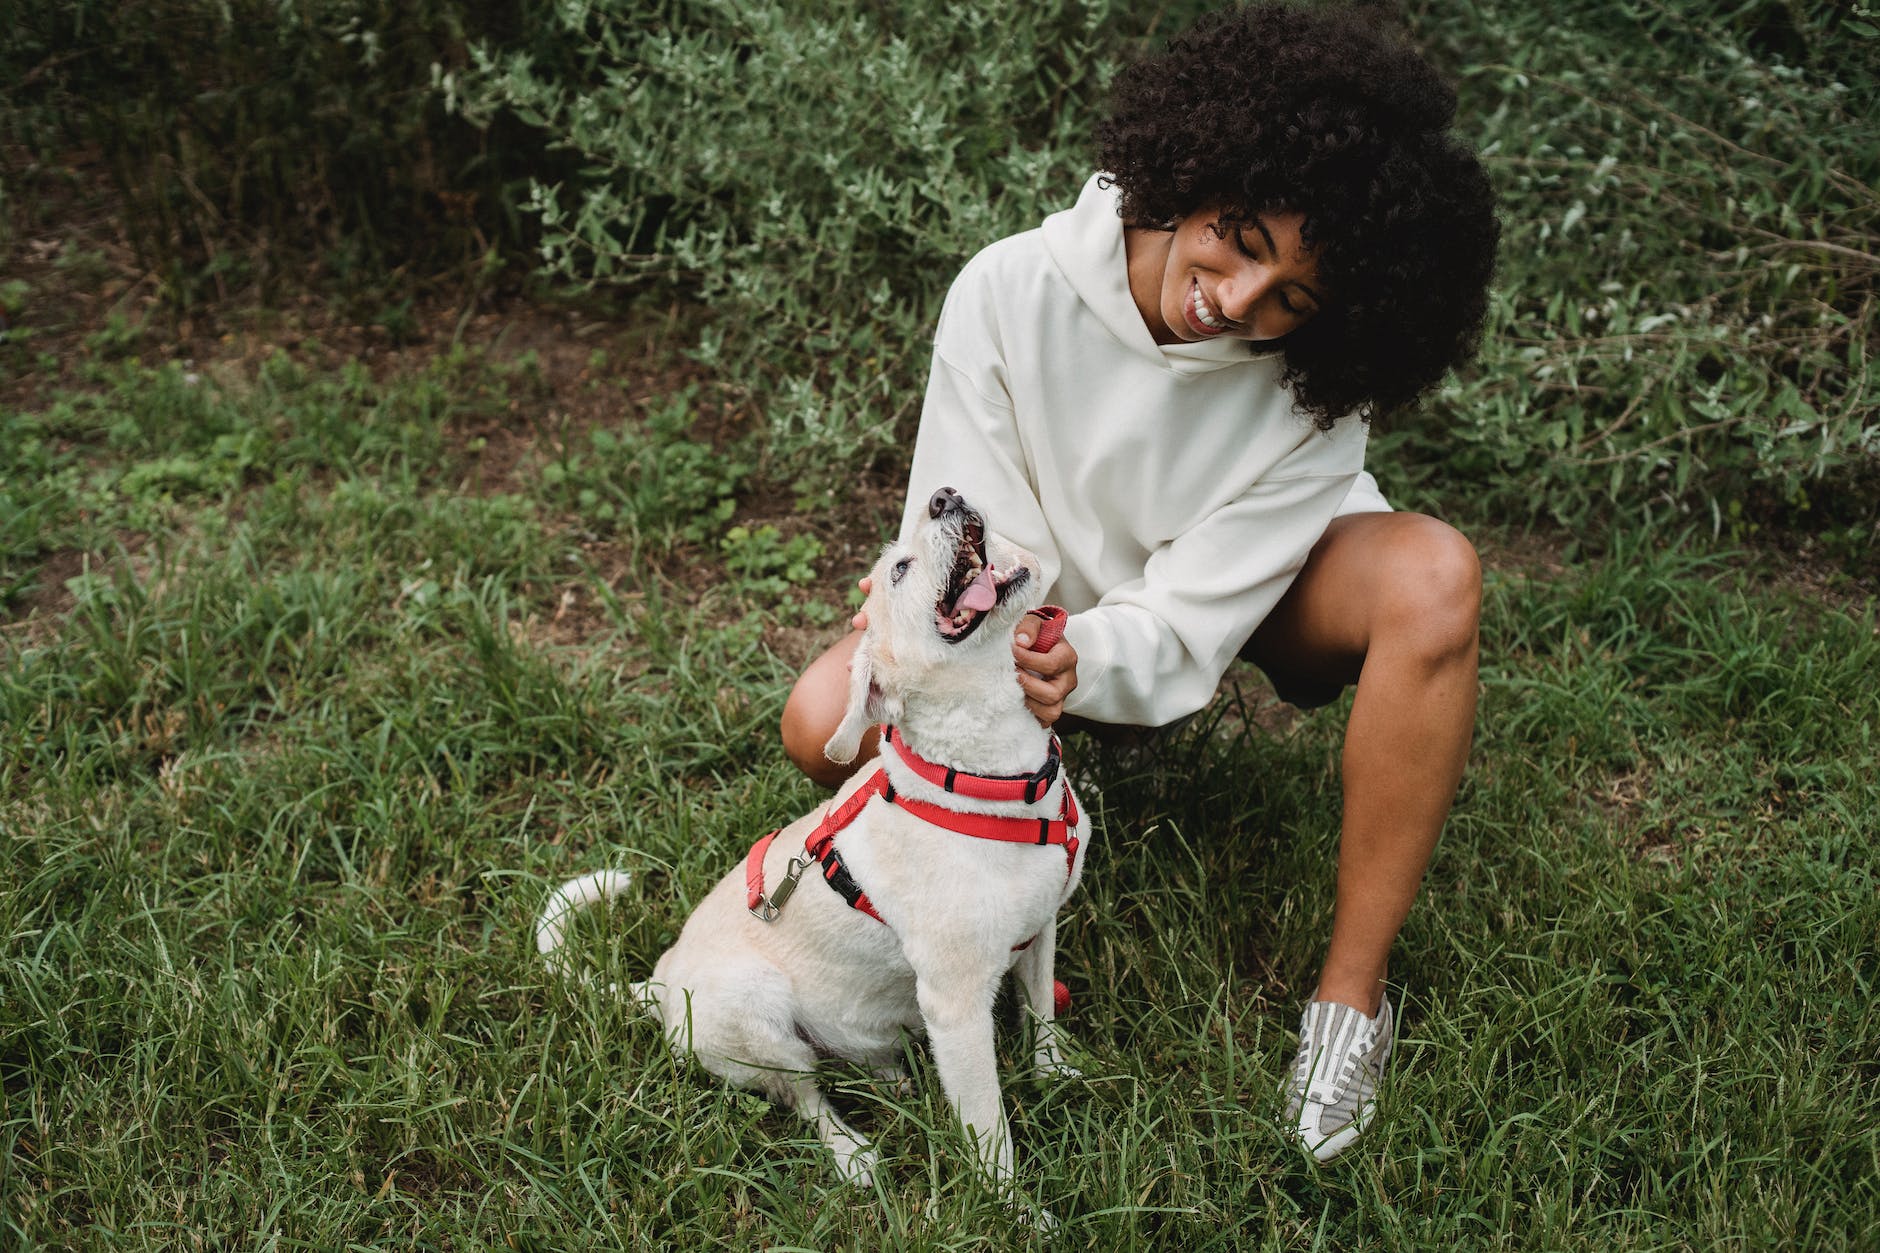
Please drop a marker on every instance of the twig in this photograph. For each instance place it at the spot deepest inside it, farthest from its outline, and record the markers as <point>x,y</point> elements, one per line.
<point>1681,433</point>
<point>1612,427</point>
<point>1782,242</point>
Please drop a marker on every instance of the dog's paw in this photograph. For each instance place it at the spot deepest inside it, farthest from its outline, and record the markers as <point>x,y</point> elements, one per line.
<point>1048,1057</point>
<point>900,1083</point>
<point>857,1167</point>
<point>1037,1217</point>
<point>1055,1067</point>
<point>643,995</point>
<point>855,1157</point>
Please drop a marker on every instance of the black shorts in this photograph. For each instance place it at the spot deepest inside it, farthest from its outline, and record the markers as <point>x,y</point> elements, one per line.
<point>1296,690</point>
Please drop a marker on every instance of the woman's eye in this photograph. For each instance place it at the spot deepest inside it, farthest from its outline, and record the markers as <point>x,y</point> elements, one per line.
<point>900,568</point>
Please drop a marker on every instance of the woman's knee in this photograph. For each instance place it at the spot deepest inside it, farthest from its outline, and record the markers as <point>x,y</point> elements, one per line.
<point>1431,586</point>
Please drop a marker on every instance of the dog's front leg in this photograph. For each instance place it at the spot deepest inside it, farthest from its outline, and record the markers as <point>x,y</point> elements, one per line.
<point>1036,969</point>
<point>958,1013</point>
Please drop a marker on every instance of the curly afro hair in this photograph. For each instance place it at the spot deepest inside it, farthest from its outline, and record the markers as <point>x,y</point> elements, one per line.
<point>1320,113</point>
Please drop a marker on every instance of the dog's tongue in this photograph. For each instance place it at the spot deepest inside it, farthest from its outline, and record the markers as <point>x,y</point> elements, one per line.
<point>979,595</point>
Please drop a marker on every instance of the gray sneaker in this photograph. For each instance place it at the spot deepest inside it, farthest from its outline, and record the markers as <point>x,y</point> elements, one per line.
<point>1332,1093</point>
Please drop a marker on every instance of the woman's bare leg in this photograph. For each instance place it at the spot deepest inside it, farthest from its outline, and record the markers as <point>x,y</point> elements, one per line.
<point>814,710</point>
<point>1392,602</point>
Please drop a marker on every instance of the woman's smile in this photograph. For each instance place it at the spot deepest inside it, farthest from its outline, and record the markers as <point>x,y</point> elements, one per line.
<point>1203,316</point>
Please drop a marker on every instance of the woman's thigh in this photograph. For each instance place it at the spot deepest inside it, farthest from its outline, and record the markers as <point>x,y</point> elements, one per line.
<point>1406,574</point>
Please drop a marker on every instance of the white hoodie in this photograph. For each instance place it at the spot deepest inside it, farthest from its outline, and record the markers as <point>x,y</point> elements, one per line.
<point>1171,492</point>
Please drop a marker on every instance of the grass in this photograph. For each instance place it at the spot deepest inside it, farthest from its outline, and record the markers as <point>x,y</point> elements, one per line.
<point>317,670</point>
<point>285,770</point>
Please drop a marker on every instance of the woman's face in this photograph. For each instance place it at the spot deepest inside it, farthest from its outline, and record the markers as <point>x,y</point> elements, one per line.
<point>1208,278</point>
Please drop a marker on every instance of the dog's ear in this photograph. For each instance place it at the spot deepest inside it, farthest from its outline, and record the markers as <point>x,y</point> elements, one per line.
<point>868,705</point>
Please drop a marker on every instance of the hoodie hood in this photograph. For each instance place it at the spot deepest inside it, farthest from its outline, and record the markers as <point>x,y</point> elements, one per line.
<point>1086,244</point>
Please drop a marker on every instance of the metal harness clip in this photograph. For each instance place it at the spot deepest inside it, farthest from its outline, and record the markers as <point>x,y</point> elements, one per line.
<point>768,907</point>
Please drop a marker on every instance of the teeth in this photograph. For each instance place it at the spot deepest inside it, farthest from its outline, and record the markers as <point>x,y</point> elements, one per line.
<point>967,568</point>
<point>958,622</point>
<point>1201,312</point>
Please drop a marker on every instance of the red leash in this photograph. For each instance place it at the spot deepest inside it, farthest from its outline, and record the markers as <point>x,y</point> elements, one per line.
<point>1051,630</point>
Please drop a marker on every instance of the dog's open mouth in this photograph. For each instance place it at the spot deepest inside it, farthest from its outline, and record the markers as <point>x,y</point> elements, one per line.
<point>973,587</point>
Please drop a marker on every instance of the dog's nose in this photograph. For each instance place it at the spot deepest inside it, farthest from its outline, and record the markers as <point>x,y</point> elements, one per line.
<point>943,500</point>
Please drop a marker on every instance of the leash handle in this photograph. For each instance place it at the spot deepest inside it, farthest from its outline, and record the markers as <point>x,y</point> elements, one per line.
<point>1050,630</point>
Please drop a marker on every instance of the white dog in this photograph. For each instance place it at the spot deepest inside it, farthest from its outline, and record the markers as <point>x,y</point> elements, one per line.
<point>933,892</point>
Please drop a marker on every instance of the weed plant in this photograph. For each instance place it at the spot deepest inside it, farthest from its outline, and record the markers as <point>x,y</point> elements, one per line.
<point>649,473</point>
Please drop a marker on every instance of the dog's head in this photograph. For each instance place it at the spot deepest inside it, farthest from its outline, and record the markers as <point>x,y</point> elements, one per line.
<point>947,597</point>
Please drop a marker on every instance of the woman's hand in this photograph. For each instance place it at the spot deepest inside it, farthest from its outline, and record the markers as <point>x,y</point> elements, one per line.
<point>1047,677</point>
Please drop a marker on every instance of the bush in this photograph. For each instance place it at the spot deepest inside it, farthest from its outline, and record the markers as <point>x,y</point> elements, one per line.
<point>811,177</point>
<point>1685,318</point>
<point>243,135</point>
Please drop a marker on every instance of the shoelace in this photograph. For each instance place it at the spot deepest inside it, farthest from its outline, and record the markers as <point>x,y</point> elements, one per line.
<point>1310,1056</point>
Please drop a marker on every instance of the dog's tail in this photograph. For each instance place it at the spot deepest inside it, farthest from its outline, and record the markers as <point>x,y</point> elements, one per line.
<point>551,924</point>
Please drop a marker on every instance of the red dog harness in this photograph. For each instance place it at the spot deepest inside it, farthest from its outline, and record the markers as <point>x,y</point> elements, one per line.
<point>820,847</point>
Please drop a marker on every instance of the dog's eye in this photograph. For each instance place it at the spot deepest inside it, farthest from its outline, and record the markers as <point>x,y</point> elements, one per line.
<point>900,568</point>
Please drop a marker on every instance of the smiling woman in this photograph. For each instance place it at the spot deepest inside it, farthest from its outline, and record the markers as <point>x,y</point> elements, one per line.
<point>1210,276</point>
<point>1162,392</point>
<point>1326,121</point>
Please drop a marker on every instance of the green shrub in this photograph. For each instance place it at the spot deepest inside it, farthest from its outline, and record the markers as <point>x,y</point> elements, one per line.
<point>810,176</point>
<point>1686,316</point>
<point>242,135</point>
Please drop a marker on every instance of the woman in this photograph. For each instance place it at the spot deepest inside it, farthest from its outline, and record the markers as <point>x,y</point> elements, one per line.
<point>1163,392</point>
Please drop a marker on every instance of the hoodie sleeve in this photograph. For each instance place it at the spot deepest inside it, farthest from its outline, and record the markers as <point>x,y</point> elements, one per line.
<point>969,438</point>
<point>1153,649</point>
